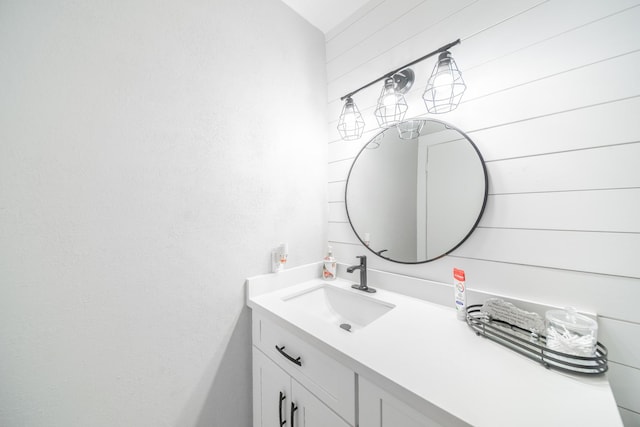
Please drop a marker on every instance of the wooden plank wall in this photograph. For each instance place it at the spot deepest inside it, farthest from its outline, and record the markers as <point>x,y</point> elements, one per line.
<point>553,103</point>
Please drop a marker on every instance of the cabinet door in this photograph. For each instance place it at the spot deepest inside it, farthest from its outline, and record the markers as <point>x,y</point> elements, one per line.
<point>310,411</point>
<point>379,408</point>
<point>271,392</point>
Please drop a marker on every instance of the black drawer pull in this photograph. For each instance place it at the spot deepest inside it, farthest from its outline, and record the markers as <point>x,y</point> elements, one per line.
<point>282,352</point>
<point>282,397</point>
<point>294,408</point>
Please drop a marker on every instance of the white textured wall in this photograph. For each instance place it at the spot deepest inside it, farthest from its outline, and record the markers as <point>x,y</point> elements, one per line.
<point>151,154</point>
<point>552,103</point>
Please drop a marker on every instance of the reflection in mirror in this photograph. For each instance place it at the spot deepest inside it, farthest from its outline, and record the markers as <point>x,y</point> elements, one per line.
<point>416,191</point>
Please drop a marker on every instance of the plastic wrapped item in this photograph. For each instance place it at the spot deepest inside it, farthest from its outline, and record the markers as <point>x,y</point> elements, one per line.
<point>571,333</point>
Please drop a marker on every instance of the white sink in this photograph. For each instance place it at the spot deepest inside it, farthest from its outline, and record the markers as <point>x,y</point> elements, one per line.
<point>345,308</point>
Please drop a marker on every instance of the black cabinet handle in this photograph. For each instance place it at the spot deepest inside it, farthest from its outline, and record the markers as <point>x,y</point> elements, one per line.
<point>282,352</point>
<point>294,408</point>
<point>282,397</point>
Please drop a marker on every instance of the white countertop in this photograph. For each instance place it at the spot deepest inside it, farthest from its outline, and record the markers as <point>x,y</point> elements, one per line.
<point>422,351</point>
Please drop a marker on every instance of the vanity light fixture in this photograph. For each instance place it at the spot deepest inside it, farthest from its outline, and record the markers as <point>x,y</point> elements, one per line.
<point>392,107</point>
<point>350,125</point>
<point>445,87</point>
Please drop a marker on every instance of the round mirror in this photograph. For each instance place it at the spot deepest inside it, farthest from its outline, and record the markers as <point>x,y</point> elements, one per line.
<point>416,191</point>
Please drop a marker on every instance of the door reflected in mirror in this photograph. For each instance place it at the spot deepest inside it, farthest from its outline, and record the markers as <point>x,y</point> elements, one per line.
<point>416,191</point>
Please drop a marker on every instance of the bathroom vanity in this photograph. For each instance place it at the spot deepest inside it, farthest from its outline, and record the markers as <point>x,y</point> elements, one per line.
<point>325,354</point>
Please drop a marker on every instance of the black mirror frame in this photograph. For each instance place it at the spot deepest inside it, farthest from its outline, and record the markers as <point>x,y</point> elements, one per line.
<point>473,228</point>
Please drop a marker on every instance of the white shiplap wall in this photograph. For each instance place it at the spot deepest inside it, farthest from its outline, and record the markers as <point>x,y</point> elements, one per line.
<point>553,103</point>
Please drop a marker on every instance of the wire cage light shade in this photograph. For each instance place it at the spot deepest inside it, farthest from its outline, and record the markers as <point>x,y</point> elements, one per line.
<point>445,86</point>
<point>410,129</point>
<point>350,124</point>
<point>375,142</point>
<point>391,106</point>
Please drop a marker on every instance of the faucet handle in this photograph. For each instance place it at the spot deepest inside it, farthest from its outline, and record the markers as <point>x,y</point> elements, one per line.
<point>363,259</point>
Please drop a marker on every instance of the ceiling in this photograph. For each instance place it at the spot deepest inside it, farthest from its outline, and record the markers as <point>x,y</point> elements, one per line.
<point>325,14</point>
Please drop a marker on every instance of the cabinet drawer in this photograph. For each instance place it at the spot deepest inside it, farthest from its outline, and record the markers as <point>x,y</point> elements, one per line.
<point>330,381</point>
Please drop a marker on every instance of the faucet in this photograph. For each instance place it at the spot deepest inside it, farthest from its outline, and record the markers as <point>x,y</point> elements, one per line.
<point>363,275</point>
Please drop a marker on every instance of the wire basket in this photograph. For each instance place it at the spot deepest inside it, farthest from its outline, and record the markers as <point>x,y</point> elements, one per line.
<point>533,345</point>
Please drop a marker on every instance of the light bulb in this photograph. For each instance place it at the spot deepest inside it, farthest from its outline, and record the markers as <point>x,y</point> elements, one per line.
<point>389,100</point>
<point>443,79</point>
<point>443,86</point>
<point>350,119</point>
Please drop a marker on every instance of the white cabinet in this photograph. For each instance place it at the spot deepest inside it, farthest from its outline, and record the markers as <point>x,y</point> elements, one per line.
<point>296,385</point>
<point>379,408</point>
<point>280,400</point>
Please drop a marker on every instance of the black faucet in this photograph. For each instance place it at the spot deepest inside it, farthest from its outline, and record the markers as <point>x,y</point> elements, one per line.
<point>363,275</point>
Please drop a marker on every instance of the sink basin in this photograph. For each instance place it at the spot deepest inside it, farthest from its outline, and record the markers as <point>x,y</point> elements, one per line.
<point>344,308</point>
